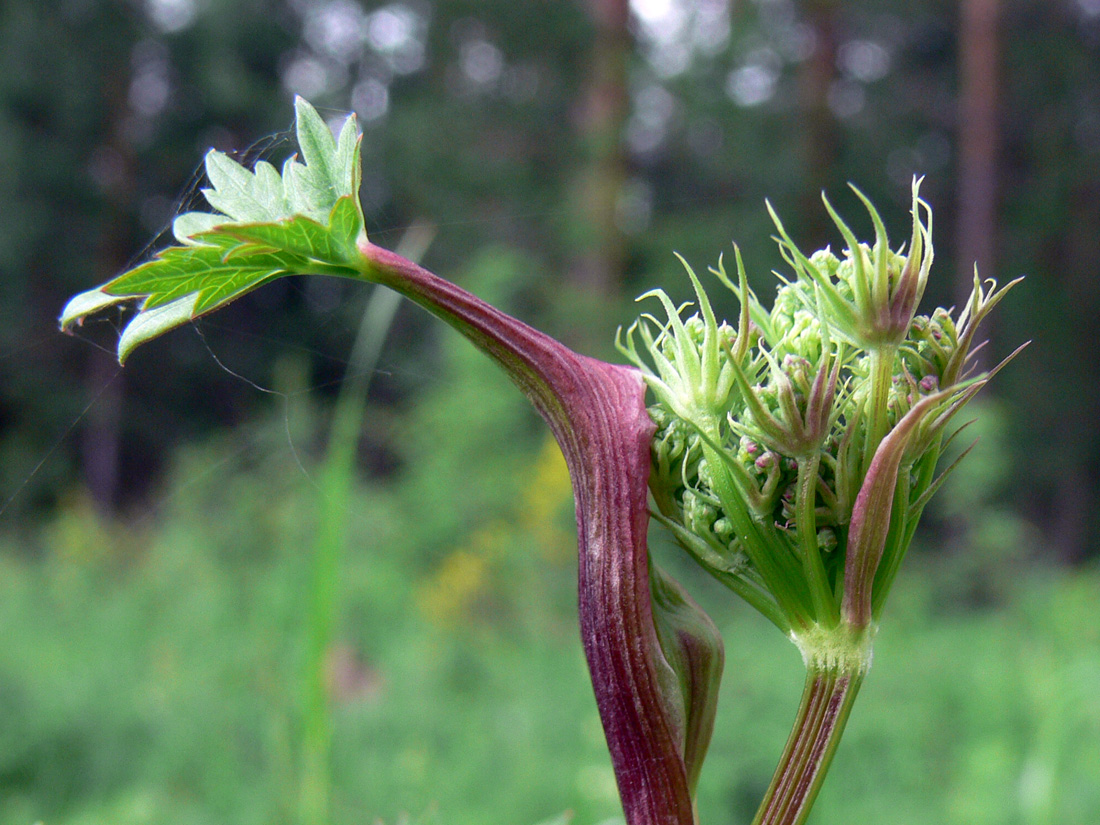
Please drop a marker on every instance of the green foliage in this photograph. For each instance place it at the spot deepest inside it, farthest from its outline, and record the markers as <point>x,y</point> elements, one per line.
<point>336,485</point>
<point>264,226</point>
<point>411,634</point>
<point>154,682</point>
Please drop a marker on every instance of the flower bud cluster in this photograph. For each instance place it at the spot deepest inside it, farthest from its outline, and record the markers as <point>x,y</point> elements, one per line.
<point>794,452</point>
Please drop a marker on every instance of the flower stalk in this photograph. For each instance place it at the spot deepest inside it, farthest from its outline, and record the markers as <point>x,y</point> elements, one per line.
<point>657,717</point>
<point>827,700</point>
<point>837,659</point>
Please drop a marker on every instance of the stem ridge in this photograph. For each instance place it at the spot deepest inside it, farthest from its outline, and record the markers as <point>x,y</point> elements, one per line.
<point>827,699</point>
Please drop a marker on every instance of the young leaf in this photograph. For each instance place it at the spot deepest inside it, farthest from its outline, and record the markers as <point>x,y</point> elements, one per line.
<point>307,194</point>
<point>347,170</point>
<point>208,272</point>
<point>307,221</point>
<point>233,191</point>
<point>189,225</point>
<point>268,188</point>
<point>85,304</point>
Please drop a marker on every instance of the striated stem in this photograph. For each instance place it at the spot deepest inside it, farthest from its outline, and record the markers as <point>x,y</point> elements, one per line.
<point>827,700</point>
<point>824,605</point>
<point>881,380</point>
<point>597,413</point>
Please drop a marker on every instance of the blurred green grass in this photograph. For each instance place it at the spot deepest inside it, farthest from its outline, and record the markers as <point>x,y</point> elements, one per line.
<point>148,674</point>
<point>160,688</point>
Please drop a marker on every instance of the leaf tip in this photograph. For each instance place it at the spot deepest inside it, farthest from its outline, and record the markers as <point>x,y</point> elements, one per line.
<point>86,303</point>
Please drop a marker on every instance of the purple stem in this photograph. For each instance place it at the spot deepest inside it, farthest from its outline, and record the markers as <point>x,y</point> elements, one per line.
<point>597,413</point>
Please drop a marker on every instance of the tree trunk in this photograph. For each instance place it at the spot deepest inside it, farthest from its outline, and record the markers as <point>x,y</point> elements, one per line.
<point>821,138</point>
<point>101,437</point>
<point>976,230</point>
<point>600,252</point>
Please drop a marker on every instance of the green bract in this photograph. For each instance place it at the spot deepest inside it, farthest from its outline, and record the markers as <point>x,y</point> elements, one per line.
<point>794,455</point>
<point>264,225</point>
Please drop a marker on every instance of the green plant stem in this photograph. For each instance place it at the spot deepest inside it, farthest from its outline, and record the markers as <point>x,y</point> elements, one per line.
<point>882,376</point>
<point>766,557</point>
<point>334,495</point>
<point>824,605</point>
<point>335,484</point>
<point>827,700</point>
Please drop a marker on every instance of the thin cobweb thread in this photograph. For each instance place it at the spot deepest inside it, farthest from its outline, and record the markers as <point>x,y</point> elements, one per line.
<point>278,394</point>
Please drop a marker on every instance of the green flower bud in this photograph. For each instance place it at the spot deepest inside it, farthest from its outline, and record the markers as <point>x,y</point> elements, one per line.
<point>872,294</point>
<point>811,430</point>
<point>826,540</point>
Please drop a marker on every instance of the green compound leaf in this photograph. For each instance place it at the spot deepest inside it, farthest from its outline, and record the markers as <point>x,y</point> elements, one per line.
<point>266,226</point>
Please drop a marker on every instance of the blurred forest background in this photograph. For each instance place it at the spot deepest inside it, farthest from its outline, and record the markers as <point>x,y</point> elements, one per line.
<point>172,650</point>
